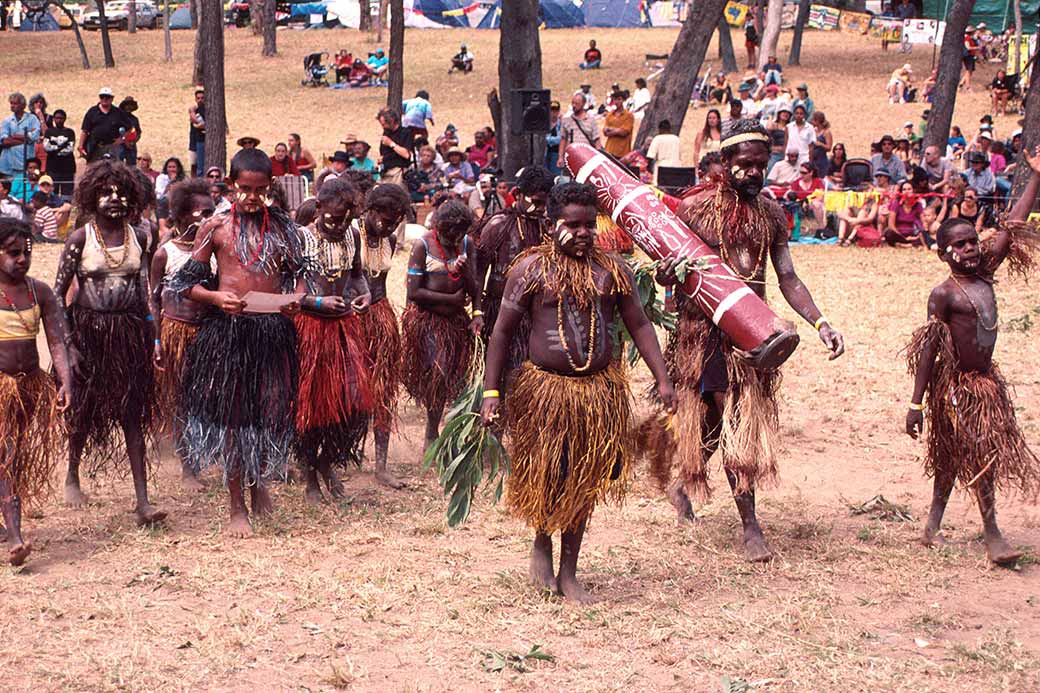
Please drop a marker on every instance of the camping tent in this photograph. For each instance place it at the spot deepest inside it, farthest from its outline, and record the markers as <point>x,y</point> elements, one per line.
<point>615,13</point>
<point>39,21</point>
<point>442,14</point>
<point>180,18</point>
<point>555,14</point>
<point>998,15</point>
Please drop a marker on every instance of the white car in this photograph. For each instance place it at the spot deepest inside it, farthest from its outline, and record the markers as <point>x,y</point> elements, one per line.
<point>117,15</point>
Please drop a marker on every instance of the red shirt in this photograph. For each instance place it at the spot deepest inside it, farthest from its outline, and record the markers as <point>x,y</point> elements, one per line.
<point>285,167</point>
<point>479,156</point>
<point>803,191</point>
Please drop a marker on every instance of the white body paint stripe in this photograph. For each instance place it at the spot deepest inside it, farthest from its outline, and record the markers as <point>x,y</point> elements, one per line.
<point>585,171</point>
<point>729,302</point>
<point>626,200</point>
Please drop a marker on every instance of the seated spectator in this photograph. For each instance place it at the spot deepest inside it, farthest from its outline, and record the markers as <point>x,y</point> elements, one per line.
<point>24,184</point>
<point>997,160</point>
<point>719,92</point>
<point>462,61</point>
<point>902,150</point>
<point>772,72</point>
<point>360,74</point>
<point>593,57</point>
<point>882,182</point>
<point>834,182</point>
<point>807,190</point>
<point>378,63</point>
<point>939,170</point>
<point>804,100</point>
<point>899,84</point>
<point>459,174</point>
<point>904,219</point>
<point>1000,90</point>
<point>484,201</point>
<point>928,88</point>
<point>770,105</point>
<point>956,142</point>
<point>931,218</point>
<point>854,222</point>
<point>449,139</point>
<point>144,165</point>
<point>979,176</point>
<point>12,207</point>
<point>343,62</point>
<point>480,153</point>
<point>838,158</point>
<point>428,178</point>
<point>359,159</point>
<point>281,163</point>
<point>736,111</point>
<point>967,207</point>
<point>785,172</point>
<point>664,149</point>
<point>46,185</point>
<point>749,107</point>
<point>45,221</point>
<point>888,161</point>
<point>338,166</point>
<point>173,172</point>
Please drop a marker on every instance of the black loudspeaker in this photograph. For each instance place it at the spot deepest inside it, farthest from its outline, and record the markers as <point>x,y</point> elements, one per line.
<point>676,178</point>
<point>529,111</point>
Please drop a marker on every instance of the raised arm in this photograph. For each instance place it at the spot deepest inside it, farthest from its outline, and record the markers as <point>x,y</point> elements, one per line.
<point>798,296</point>
<point>938,309</point>
<point>1003,239</point>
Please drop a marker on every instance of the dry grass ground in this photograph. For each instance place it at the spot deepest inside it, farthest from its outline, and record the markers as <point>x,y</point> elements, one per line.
<point>377,594</point>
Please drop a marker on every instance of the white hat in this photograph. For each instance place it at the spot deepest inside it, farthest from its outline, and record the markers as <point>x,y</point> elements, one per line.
<point>1017,133</point>
<point>105,91</point>
<point>986,135</point>
<point>908,124</point>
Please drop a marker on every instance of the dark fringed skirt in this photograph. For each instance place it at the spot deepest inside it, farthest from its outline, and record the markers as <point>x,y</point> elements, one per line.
<point>114,382</point>
<point>973,432</point>
<point>383,343</point>
<point>334,400</point>
<point>569,445</point>
<point>238,401</point>
<point>31,437</point>
<point>176,337</point>
<point>436,353</point>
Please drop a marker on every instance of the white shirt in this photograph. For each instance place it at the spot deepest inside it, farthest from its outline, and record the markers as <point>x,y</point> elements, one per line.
<point>801,138</point>
<point>640,100</point>
<point>750,109</point>
<point>665,150</point>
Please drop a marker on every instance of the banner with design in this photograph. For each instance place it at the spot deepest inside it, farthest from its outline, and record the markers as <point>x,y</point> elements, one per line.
<point>923,31</point>
<point>736,13</point>
<point>886,29</point>
<point>823,17</point>
<point>854,23</point>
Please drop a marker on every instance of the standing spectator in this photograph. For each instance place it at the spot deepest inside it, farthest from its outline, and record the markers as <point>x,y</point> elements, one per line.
<point>751,41</point>
<point>969,54</point>
<point>804,100</point>
<point>777,131</point>
<point>481,151</point>
<point>281,163</point>
<point>590,100</point>
<point>736,110</point>
<point>618,127</point>
<point>800,134</point>
<point>664,149</point>
<point>395,147</point>
<point>593,57</point>
<point>887,160</point>
<point>640,99</point>
<point>359,159</point>
<point>772,72</point>
<point>938,169</point>
<point>144,165</point>
<point>173,172</point>
<point>578,127</point>
<point>197,131</point>
<point>38,107</point>
<point>821,147</point>
<point>60,145</point>
<point>710,136</point>
<point>552,140</point>
<point>127,151</point>
<point>302,157</point>
<point>19,133</point>
<point>416,112</point>
<point>103,127</point>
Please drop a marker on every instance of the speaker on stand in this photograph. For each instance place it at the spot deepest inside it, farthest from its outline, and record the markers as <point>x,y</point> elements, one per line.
<point>529,115</point>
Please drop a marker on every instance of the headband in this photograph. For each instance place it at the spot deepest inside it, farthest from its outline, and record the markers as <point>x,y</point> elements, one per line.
<point>746,137</point>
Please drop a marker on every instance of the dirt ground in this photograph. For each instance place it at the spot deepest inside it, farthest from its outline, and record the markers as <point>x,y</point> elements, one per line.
<point>376,593</point>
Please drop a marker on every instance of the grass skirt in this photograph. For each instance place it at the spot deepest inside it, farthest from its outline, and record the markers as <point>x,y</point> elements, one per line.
<point>238,401</point>
<point>973,431</point>
<point>335,394</point>
<point>750,419</point>
<point>114,382</point>
<point>569,445</point>
<point>176,336</point>
<point>30,434</point>
<point>383,343</point>
<point>435,355</point>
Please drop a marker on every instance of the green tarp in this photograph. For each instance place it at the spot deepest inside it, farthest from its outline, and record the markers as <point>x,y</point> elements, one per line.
<point>997,14</point>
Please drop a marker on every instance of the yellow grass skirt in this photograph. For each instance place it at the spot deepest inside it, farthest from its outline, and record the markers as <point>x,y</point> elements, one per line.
<point>569,445</point>
<point>176,336</point>
<point>30,434</point>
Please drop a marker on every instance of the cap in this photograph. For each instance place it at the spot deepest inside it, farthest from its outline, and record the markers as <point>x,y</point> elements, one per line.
<point>882,172</point>
<point>45,179</point>
<point>802,87</point>
<point>977,158</point>
<point>341,157</point>
<point>211,169</point>
<point>986,134</point>
<point>986,118</point>
<point>105,91</point>
<point>744,86</point>
<point>1017,133</point>
<point>785,107</point>
<point>554,105</point>
<point>772,89</point>
<point>908,67</point>
<point>908,124</point>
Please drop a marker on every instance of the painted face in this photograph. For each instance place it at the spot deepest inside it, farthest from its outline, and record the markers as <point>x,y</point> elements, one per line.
<point>336,215</point>
<point>252,189</point>
<point>112,202</point>
<point>202,208</point>
<point>747,169</point>
<point>532,205</point>
<point>15,258</point>
<point>385,222</point>
<point>576,230</point>
<point>962,252</point>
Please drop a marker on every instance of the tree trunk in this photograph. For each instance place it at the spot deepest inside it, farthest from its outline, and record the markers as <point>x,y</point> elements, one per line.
<point>771,32</point>
<point>381,20</point>
<point>365,21</point>
<point>193,8</point>
<point>519,67</point>
<point>211,28</point>
<point>1018,38</point>
<point>726,55</point>
<point>75,29</point>
<point>1030,136</point>
<point>256,16</point>
<point>270,27</point>
<point>795,57</point>
<point>672,96</point>
<point>200,56</point>
<point>106,41</point>
<point>131,17</point>
<point>395,71</point>
<point>168,41</point>
<point>944,96</point>
<point>495,106</point>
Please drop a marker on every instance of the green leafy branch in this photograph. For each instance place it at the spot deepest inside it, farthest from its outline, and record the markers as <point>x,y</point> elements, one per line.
<point>495,661</point>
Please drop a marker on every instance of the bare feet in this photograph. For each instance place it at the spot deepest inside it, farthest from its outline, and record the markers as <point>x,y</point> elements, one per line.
<point>190,482</point>
<point>1000,552</point>
<point>19,552</point>
<point>148,514</point>
<point>261,500</point>
<point>755,547</point>
<point>570,588</point>
<point>313,495</point>
<point>74,496</point>
<point>333,483</point>
<point>541,569</point>
<point>933,539</point>
<point>385,478</point>
<point>239,527</point>
<point>681,503</point>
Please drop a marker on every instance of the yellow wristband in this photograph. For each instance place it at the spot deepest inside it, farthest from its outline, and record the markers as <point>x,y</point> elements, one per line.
<point>916,407</point>
<point>819,322</point>
<point>477,313</point>
<point>488,394</point>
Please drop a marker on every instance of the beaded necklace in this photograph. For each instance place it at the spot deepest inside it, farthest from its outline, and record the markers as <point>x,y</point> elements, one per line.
<point>453,274</point>
<point>724,251</point>
<point>373,265</point>
<point>978,313</point>
<point>100,240</point>
<point>332,267</point>
<point>593,310</point>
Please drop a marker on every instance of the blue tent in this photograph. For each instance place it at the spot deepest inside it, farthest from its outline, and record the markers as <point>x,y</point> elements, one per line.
<point>555,14</point>
<point>180,18</point>
<point>39,21</point>
<point>615,13</point>
<point>444,12</point>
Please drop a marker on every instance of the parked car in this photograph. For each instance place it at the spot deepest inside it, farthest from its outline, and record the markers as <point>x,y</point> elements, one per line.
<point>118,16</point>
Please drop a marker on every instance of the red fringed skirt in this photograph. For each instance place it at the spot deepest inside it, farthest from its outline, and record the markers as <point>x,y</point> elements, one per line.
<point>383,346</point>
<point>436,355</point>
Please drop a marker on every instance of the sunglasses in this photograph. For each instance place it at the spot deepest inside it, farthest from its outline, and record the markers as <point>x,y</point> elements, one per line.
<point>213,175</point>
